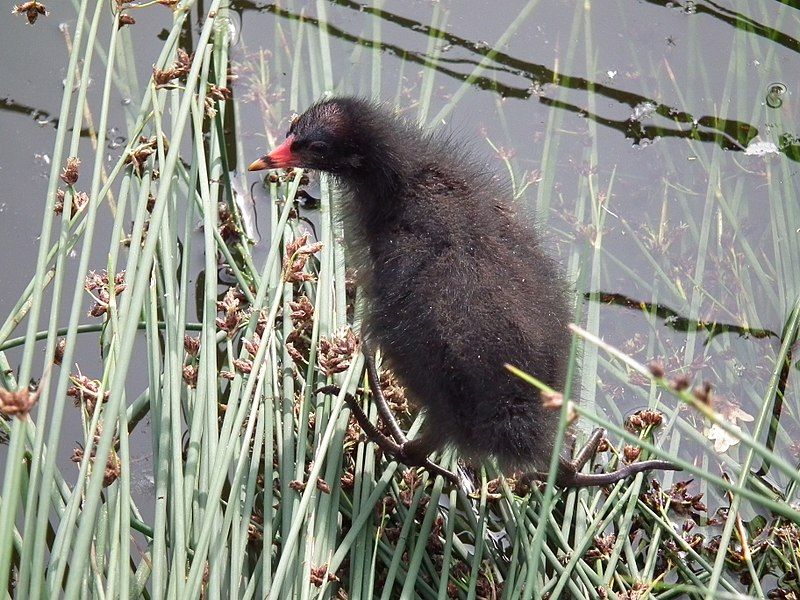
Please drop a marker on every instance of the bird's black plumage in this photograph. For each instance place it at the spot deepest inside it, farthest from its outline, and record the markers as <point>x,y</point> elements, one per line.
<point>456,277</point>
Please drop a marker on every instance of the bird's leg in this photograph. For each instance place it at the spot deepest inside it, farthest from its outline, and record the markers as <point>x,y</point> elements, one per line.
<point>589,449</point>
<point>411,453</point>
<point>383,442</point>
<point>384,411</point>
<point>569,474</point>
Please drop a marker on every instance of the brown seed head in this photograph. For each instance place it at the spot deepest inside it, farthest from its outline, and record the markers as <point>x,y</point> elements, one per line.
<point>243,366</point>
<point>298,252</point>
<point>190,375</point>
<point>703,393</point>
<point>59,353</point>
<point>603,546</point>
<point>302,313</point>
<point>86,392</point>
<point>181,67</point>
<point>348,480</point>
<point>334,354</point>
<point>233,317</point>
<point>71,172</point>
<point>643,420</point>
<point>656,368</point>
<point>191,345</point>
<point>227,226</point>
<point>219,93</point>
<point>18,404</point>
<point>138,156</point>
<point>113,469</point>
<point>31,10</point>
<point>252,345</point>
<point>58,206</point>
<point>79,202</point>
<point>320,574</point>
<point>631,453</point>
<point>680,382</point>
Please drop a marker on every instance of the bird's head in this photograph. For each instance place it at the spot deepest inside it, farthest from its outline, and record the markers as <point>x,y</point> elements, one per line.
<point>327,137</point>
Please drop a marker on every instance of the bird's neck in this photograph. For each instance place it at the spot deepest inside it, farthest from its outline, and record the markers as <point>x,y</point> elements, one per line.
<point>378,196</point>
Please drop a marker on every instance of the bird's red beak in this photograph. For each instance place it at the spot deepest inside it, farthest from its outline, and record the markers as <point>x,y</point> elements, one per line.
<point>279,158</point>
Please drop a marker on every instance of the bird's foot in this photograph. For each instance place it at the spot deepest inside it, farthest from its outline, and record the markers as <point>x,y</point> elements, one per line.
<point>409,452</point>
<point>569,475</point>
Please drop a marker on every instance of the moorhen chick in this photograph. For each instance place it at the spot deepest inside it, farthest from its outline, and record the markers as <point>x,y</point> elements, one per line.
<point>457,286</point>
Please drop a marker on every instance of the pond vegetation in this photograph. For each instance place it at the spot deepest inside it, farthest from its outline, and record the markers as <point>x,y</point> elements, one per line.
<point>176,309</point>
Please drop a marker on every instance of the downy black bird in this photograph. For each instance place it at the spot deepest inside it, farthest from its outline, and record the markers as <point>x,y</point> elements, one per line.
<point>457,285</point>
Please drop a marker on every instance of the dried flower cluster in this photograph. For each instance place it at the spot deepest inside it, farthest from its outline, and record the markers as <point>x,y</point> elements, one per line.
<point>603,547</point>
<point>228,229</point>
<point>190,375</point>
<point>215,94</point>
<point>138,156</point>
<point>79,202</point>
<point>255,529</point>
<point>630,454</point>
<point>18,404</point>
<point>233,317</point>
<point>320,574</point>
<point>243,366</point>
<point>656,368</point>
<point>394,393</point>
<point>252,345</point>
<point>408,486</point>
<point>643,420</point>
<point>181,67</point>
<point>680,382</point>
<point>99,287</point>
<point>87,392</point>
<point>676,498</point>
<point>71,171</point>
<point>31,10</point>
<point>219,92</point>
<point>334,354</point>
<point>191,345</point>
<point>113,467</point>
<point>59,353</point>
<point>297,254</point>
<point>298,342</point>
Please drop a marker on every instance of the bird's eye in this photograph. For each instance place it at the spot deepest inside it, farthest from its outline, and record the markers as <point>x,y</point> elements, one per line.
<point>318,147</point>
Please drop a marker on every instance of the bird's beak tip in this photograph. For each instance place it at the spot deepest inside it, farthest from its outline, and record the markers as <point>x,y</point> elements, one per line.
<point>259,164</point>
